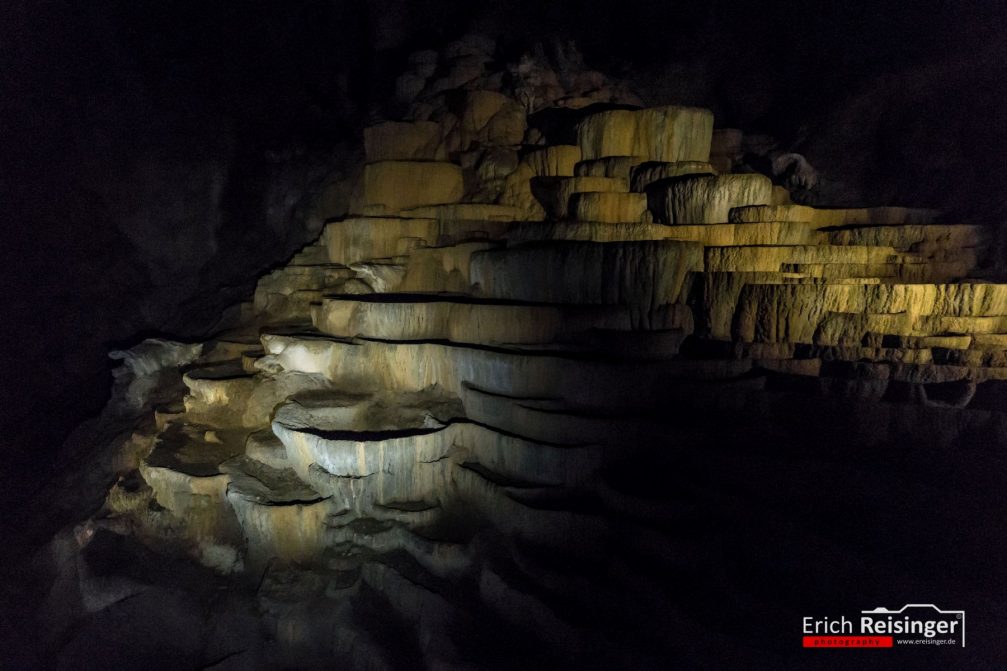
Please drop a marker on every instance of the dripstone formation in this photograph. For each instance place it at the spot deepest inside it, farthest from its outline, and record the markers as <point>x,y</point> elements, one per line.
<point>494,411</point>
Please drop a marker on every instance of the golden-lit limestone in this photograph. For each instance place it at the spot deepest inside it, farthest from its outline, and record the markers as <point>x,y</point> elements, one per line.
<point>856,352</point>
<point>553,161</point>
<point>431,484</point>
<point>482,118</point>
<point>766,258</point>
<point>360,210</point>
<point>587,231</point>
<point>551,322</point>
<point>480,107</point>
<point>238,399</point>
<point>911,270</point>
<point>740,235</point>
<point>985,341</point>
<point>441,269</point>
<point>294,278</point>
<point>285,306</point>
<point>266,448</point>
<point>213,391</point>
<point>491,118</point>
<point>305,354</point>
<point>183,472</point>
<point>228,348</point>
<point>440,320</point>
<point>272,390</point>
<point>719,298</point>
<point>359,454</point>
<point>976,326</point>
<point>721,235</point>
<point>554,192</point>
<point>610,166</point>
<point>944,342</point>
<point>708,199</point>
<point>354,287</point>
<point>658,134</point>
<point>558,160</point>
<point>290,532</point>
<point>288,291</point>
<point>404,141</point>
<point>608,207</point>
<point>913,237</point>
<point>379,276</point>
<point>652,173</point>
<point>491,163</point>
<point>414,367</point>
<point>834,217</point>
<point>544,372</point>
<point>198,500</point>
<point>642,274</point>
<point>845,271</point>
<point>808,279</point>
<point>728,235</point>
<point>419,318</point>
<point>965,299</point>
<point>392,186</point>
<point>517,192</point>
<point>794,313</point>
<point>853,329</point>
<point>364,238</point>
<point>309,255</point>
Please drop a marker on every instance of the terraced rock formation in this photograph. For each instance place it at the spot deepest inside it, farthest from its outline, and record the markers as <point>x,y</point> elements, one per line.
<point>555,402</point>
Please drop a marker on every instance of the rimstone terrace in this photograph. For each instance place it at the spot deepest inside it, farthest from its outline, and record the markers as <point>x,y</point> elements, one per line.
<point>491,369</point>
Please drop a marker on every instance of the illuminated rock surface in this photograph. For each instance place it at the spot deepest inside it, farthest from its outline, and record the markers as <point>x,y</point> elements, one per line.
<point>436,415</point>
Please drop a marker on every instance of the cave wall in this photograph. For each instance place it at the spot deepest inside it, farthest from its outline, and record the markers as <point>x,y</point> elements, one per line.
<point>164,155</point>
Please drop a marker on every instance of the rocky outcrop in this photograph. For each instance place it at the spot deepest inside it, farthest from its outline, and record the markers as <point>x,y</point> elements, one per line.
<point>432,410</point>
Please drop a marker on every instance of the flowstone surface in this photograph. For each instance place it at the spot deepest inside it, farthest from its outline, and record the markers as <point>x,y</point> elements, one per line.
<point>576,404</point>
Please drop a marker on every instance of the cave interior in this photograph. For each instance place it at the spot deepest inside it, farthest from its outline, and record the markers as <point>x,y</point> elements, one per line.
<point>398,335</point>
